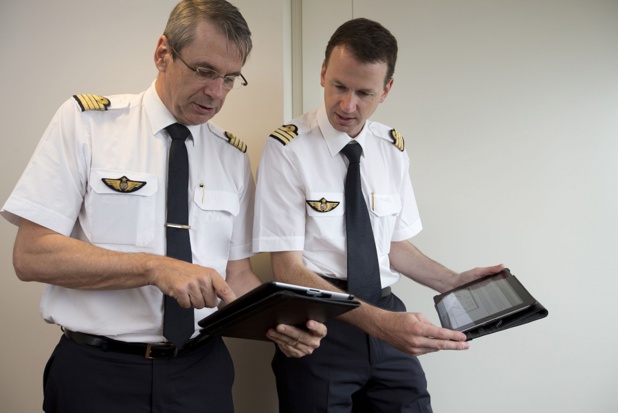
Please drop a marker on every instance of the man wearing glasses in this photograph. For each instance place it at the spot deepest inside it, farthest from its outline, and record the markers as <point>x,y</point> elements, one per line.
<point>94,220</point>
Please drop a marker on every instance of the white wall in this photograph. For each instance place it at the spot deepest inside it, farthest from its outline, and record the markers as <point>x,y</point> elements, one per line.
<point>52,50</point>
<point>510,114</point>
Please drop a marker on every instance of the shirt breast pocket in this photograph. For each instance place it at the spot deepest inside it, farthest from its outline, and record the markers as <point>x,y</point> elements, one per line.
<point>326,220</point>
<point>212,223</point>
<point>121,207</point>
<point>385,209</point>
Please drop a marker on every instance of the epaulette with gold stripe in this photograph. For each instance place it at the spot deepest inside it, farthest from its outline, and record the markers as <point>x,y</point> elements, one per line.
<point>285,133</point>
<point>397,140</point>
<point>237,143</point>
<point>88,101</point>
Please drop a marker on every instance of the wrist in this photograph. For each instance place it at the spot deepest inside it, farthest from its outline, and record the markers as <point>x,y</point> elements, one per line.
<point>372,320</point>
<point>149,267</point>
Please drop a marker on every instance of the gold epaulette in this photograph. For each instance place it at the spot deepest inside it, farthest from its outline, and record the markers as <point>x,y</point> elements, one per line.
<point>88,101</point>
<point>237,143</point>
<point>397,140</point>
<point>285,133</point>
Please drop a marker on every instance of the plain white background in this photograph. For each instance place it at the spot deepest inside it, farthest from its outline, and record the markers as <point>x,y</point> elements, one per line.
<point>509,110</point>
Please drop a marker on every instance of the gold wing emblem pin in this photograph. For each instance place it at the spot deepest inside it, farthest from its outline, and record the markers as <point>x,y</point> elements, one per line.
<point>323,205</point>
<point>123,184</point>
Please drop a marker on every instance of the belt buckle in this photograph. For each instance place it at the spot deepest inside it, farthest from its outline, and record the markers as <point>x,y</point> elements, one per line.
<point>149,348</point>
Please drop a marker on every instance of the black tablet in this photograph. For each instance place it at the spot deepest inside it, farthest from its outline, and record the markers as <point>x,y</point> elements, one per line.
<point>272,303</point>
<point>487,305</point>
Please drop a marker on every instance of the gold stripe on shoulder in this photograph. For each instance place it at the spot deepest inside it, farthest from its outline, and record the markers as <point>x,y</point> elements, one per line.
<point>235,142</point>
<point>89,101</point>
<point>397,140</point>
<point>285,133</point>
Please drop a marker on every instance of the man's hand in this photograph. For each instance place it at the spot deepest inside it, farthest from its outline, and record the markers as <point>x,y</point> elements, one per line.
<point>193,286</point>
<point>476,273</point>
<point>414,334</point>
<point>294,342</point>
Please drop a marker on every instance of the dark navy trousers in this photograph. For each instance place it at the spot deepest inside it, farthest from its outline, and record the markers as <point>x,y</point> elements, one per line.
<point>79,379</point>
<point>352,372</point>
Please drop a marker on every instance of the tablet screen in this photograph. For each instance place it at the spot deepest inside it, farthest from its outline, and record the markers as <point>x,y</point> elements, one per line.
<point>470,305</point>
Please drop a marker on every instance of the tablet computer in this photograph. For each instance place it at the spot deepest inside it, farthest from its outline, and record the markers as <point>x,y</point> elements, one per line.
<point>272,303</point>
<point>488,305</point>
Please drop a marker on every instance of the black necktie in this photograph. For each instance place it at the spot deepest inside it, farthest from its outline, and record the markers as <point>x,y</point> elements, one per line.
<point>178,322</point>
<point>363,269</point>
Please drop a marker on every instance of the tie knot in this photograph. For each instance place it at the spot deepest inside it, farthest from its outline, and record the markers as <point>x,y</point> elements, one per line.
<point>178,131</point>
<point>353,152</point>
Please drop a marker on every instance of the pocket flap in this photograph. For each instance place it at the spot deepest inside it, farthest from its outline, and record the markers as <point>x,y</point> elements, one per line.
<point>383,205</point>
<point>212,200</point>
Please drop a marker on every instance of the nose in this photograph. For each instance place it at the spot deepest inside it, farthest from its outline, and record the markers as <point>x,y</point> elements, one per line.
<point>215,89</point>
<point>348,103</point>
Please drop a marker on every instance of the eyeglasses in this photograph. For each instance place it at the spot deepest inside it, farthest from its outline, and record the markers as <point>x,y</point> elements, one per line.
<point>205,76</point>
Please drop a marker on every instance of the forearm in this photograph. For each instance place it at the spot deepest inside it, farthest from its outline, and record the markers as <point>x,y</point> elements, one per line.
<point>240,276</point>
<point>45,256</point>
<point>408,332</point>
<point>412,263</point>
<point>288,267</point>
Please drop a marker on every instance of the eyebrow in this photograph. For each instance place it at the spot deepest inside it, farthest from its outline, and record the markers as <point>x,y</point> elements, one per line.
<point>207,65</point>
<point>337,83</point>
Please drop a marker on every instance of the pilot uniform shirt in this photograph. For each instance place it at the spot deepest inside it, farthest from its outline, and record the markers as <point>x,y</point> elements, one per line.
<point>99,174</point>
<point>300,200</point>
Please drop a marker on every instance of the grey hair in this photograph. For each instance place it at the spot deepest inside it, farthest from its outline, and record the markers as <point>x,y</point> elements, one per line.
<point>183,20</point>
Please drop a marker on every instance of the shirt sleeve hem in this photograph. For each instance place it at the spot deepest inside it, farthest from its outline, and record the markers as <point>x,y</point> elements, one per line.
<point>276,244</point>
<point>407,233</point>
<point>17,209</point>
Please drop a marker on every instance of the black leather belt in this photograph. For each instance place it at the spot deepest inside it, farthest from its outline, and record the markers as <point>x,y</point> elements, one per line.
<point>343,285</point>
<point>150,351</point>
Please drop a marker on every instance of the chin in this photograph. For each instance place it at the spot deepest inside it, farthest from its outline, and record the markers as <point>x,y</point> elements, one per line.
<point>352,131</point>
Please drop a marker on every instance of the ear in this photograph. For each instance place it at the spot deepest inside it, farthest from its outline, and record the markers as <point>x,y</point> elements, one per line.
<point>323,74</point>
<point>163,54</point>
<point>387,89</point>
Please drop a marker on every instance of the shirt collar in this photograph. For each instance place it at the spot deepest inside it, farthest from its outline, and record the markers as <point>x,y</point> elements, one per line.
<point>336,140</point>
<point>159,116</point>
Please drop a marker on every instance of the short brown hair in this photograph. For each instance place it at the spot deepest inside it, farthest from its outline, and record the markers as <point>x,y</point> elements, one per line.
<point>368,41</point>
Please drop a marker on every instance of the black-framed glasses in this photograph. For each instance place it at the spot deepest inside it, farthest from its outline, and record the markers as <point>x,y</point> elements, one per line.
<point>205,75</point>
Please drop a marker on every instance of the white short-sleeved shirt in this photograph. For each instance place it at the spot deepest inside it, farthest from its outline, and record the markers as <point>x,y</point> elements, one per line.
<point>300,193</point>
<point>71,186</point>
